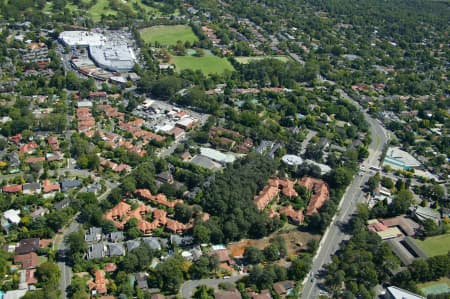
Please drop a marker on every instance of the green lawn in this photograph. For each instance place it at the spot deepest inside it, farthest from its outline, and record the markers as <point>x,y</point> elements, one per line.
<point>102,7</point>
<point>437,245</point>
<point>168,35</point>
<point>248,59</point>
<point>208,64</point>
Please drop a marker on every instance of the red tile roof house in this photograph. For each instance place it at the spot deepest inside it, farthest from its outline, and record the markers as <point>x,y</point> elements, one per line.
<point>16,138</point>
<point>28,148</point>
<point>28,261</point>
<point>12,189</point>
<point>98,286</point>
<point>48,187</point>
<point>53,142</point>
<point>320,193</point>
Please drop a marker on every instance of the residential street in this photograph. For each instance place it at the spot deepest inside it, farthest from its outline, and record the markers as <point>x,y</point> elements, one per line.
<point>66,271</point>
<point>353,195</point>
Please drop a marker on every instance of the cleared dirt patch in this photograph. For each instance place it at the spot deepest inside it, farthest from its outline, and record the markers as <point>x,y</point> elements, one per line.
<point>296,241</point>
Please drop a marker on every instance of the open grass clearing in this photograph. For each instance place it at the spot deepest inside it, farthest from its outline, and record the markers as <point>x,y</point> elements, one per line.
<point>208,64</point>
<point>248,59</point>
<point>168,34</point>
<point>437,245</point>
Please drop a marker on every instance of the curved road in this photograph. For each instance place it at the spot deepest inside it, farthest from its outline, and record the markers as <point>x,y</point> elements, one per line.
<point>353,195</point>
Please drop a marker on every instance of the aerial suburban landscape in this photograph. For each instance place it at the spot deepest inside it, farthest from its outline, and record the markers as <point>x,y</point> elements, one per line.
<point>224,149</point>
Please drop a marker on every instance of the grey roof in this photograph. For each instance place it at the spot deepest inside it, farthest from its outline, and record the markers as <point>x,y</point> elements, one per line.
<point>113,57</point>
<point>116,249</point>
<point>66,184</point>
<point>31,186</point>
<point>96,251</point>
<point>181,241</point>
<point>94,234</point>
<point>141,280</point>
<point>116,236</point>
<point>152,242</point>
<point>62,204</point>
<point>132,244</point>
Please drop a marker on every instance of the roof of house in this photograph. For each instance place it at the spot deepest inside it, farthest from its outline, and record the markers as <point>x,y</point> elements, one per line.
<point>283,287</point>
<point>116,249</point>
<point>12,216</point>
<point>99,283</point>
<point>31,186</point>
<point>94,234</point>
<point>27,246</point>
<point>141,280</point>
<point>132,244</point>
<point>110,267</point>
<point>66,184</point>
<point>234,294</point>
<point>153,243</point>
<point>222,255</point>
<point>116,236</point>
<point>29,260</point>
<point>320,193</point>
<point>47,186</point>
<point>12,188</point>
<point>96,251</point>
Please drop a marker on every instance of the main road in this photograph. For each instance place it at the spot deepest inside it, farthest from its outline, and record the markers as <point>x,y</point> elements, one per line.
<point>353,195</point>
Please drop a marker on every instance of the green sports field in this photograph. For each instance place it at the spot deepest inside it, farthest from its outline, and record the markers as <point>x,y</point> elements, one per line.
<point>168,35</point>
<point>435,287</point>
<point>437,245</point>
<point>208,64</point>
<point>248,59</point>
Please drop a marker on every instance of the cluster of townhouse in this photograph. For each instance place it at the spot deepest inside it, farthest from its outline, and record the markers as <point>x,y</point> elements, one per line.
<point>319,195</point>
<point>217,42</point>
<point>135,128</point>
<point>229,140</point>
<point>85,119</point>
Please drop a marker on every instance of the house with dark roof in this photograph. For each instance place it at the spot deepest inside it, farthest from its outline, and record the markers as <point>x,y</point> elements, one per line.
<point>31,188</point>
<point>132,244</point>
<point>93,234</point>
<point>96,251</point>
<point>115,249</point>
<point>284,288</point>
<point>62,204</point>
<point>116,237</point>
<point>152,243</point>
<point>67,185</point>
<point>141,280</point>
<point>27,246</point>
<point>227,294</point>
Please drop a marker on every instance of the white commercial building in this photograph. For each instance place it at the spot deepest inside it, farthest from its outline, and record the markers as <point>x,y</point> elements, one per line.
<point>82,38</point>
<point>292,160</point>
<point>217,156</point>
